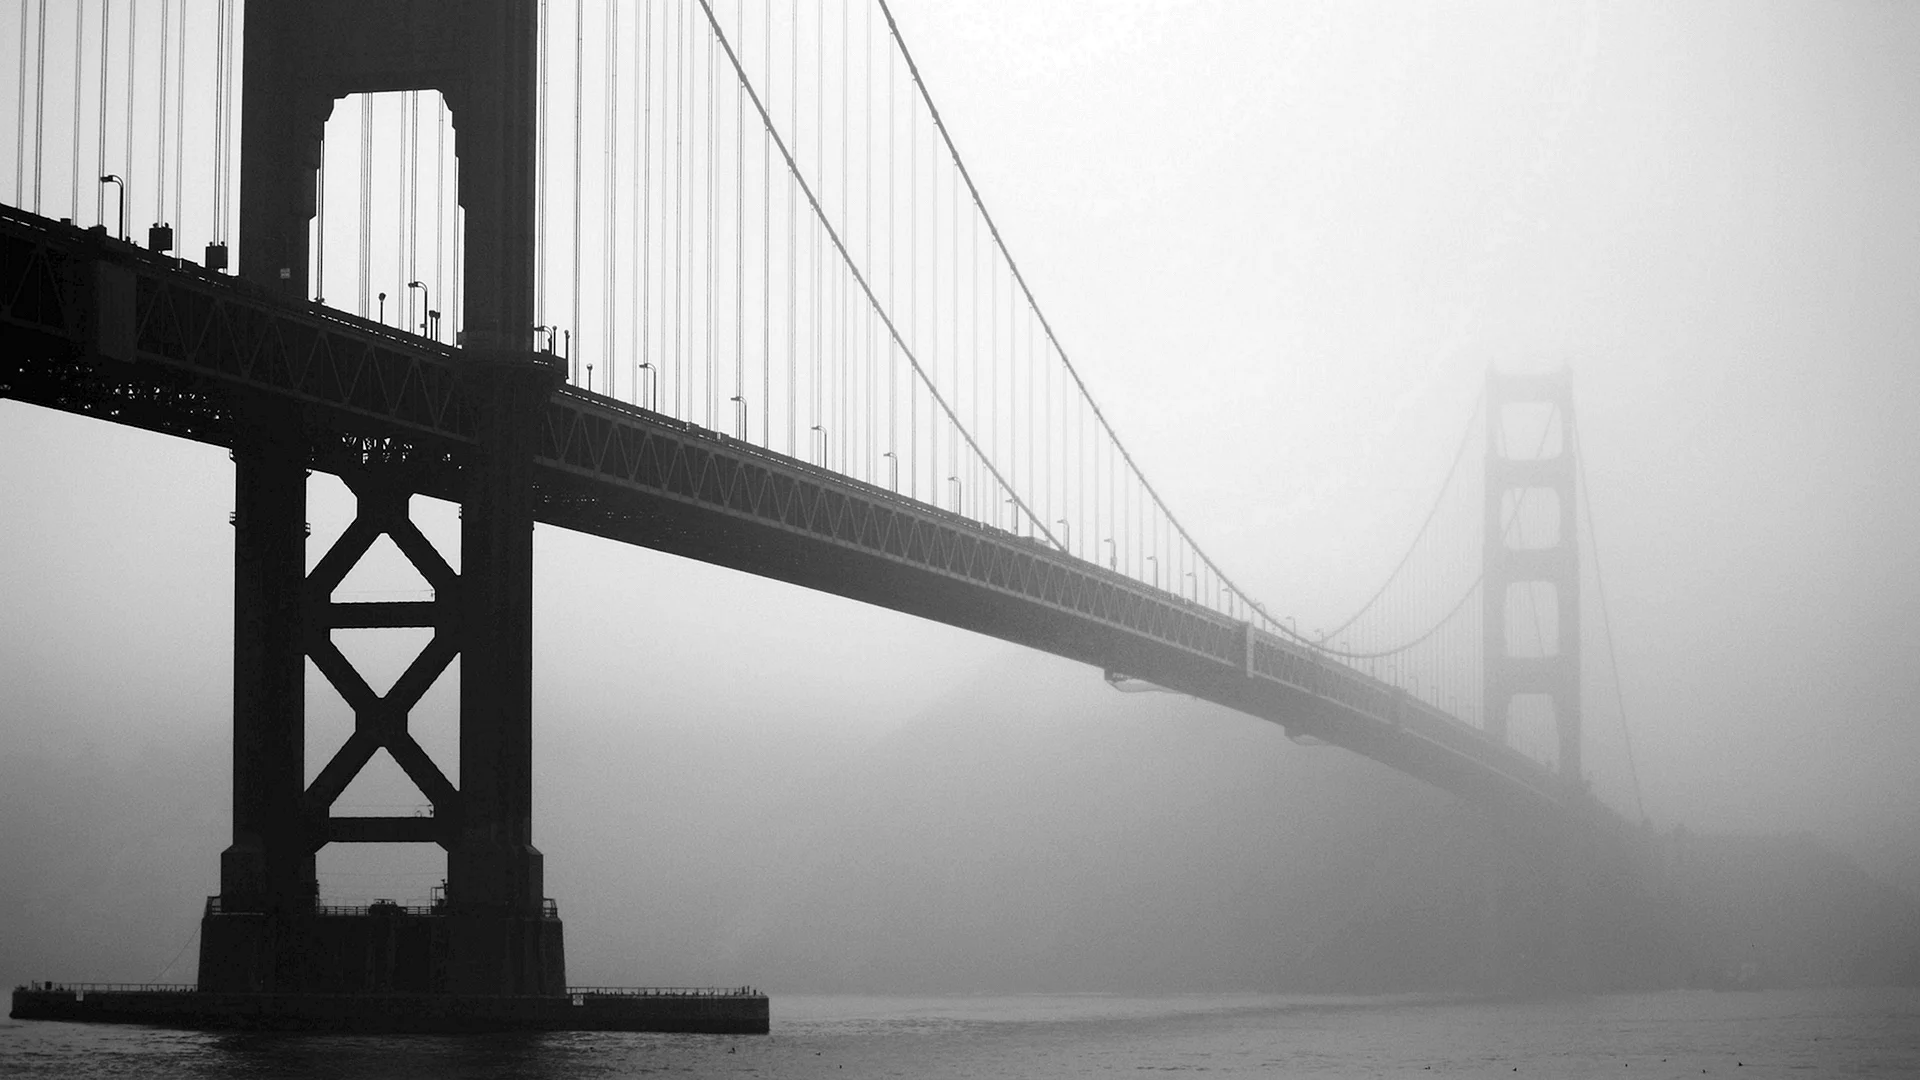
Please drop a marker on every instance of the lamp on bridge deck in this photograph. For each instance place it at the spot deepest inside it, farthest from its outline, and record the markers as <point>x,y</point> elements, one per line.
<point>120,188</point>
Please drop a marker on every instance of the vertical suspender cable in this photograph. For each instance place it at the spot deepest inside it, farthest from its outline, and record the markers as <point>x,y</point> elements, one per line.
<point>40,106</point>
<point>100,162</point>
<point>933,322</point>
<point>842,353</point>
<point>366,204</point>
<point>766,245</point>
<point>642,87</point>
<point>913,296</point>
<point>456,308</point>
<point>679,190</point>
<point>320,224</point>
<point>684,331</point>
<point>223,132</point>
<point>20,116</point>
<point>179,137</point>
<point>440,205</point>
<point>813,232</point>
<point>541,124</point>
<point>160,140</point>
<point>219,123</point>
<point>79,56</point>
<point>646,210</point>
<point>740,235</point>
<point>419,323</point>
<point>403,232</point>
<point>133,71</point>
<point>866,127</point>
<point>403,239</point>
<point>579,85</point>
<point>611,227</point>
<point>893,249</point>
<point>710,251</point>
<point>953,324</point>
<point>973,346</point>
<point>218,188</point>
<point>793,242</point>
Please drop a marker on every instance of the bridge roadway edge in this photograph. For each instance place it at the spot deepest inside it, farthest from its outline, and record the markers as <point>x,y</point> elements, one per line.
<point>100,328</point>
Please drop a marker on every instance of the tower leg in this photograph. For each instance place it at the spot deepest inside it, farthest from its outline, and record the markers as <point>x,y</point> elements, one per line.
<point>503,940</point>
<point>268,870</point>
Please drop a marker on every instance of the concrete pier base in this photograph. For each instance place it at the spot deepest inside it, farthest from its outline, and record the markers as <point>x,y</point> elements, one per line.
<point>741,1011</point>
<point>384,948</point>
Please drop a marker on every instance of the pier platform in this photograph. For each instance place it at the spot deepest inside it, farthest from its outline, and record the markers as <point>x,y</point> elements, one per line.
<point>730,1011</point>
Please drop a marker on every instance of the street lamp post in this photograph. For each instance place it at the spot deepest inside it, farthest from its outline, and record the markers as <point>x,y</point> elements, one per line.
<point>893,480</point>
<point>822,429</point>
<point>426,301</point>
<point>1066,534</point>
<point>120,189</point>
<point>653,386</point>
<point>739,416</point>
<point>1155,560</point>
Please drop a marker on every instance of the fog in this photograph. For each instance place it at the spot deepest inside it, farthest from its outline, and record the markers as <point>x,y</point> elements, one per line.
<point>1283,243</point>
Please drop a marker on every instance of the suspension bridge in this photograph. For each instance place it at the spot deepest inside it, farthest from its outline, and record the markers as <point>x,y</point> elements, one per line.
<point>705,276</point>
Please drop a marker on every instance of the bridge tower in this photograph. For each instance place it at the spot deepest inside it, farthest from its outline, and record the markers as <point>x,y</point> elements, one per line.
<point>495,933</point>
<point>1524,486</point>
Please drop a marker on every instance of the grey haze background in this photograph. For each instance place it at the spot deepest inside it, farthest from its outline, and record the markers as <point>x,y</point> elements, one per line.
<point>1284,242</point>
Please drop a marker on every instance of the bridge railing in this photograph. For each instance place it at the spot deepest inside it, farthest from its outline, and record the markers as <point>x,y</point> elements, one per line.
<point>82,988</point>
<point>665,991</point>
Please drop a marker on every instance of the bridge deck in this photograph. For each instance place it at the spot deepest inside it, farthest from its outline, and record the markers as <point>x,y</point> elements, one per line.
<point>98,327</point>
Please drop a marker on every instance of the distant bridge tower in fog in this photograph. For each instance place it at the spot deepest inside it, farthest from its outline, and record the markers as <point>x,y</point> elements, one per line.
<point>1523,571</point>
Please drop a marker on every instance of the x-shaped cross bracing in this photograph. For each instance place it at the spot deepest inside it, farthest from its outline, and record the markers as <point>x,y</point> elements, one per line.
<point>380,720</point>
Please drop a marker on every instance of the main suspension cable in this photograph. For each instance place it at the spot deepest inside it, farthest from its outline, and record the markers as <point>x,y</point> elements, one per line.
<point>1446,485</point>
<point>1507,529</point>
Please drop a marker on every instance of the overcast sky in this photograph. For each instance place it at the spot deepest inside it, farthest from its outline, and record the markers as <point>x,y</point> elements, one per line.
<point>1283,242</point>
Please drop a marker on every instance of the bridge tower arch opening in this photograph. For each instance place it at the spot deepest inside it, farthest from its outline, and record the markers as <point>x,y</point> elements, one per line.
<point>387,239</point>
<point>495,933</point>
<point>1531,565</point>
